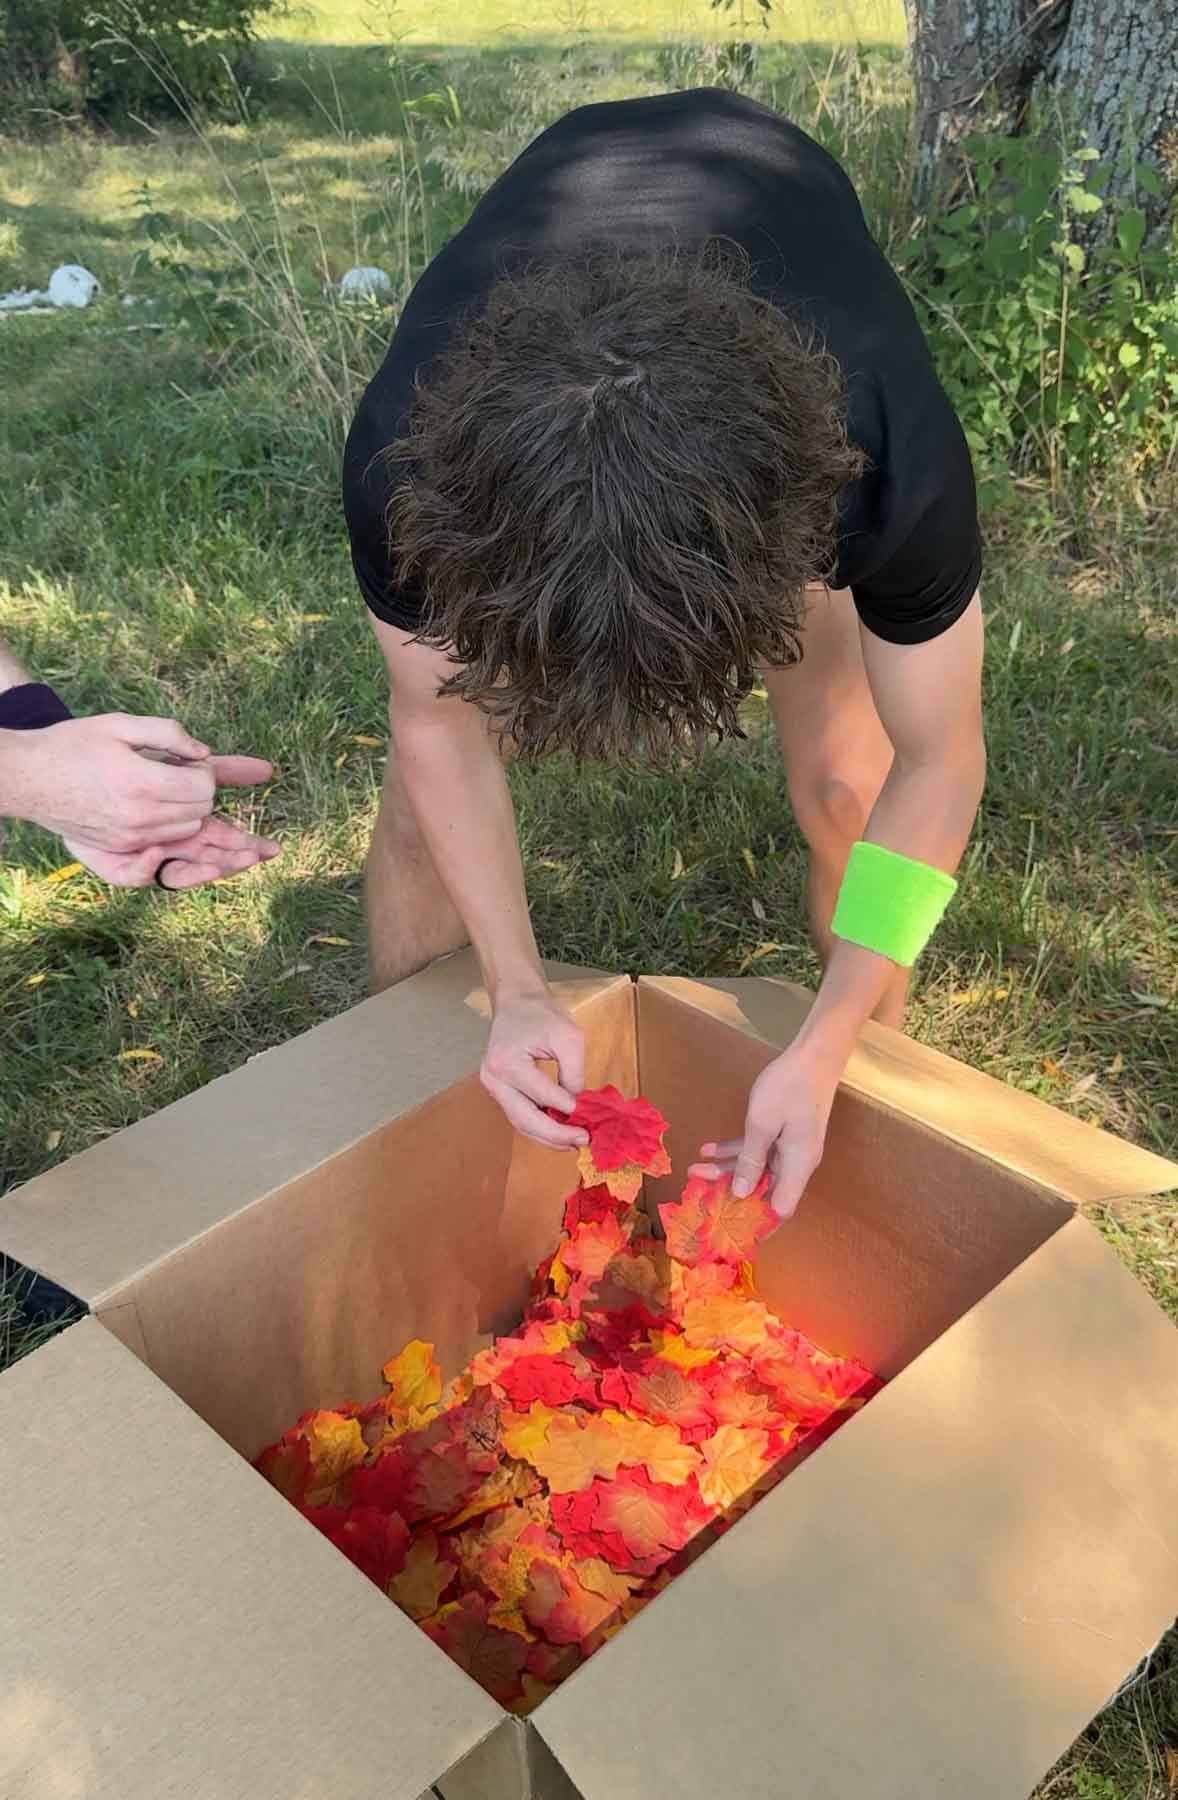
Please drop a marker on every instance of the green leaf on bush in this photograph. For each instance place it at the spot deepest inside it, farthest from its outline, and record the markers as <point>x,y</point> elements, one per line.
<point>1131,230</point>
<point>1128,356</point>
<point>1082,201</point>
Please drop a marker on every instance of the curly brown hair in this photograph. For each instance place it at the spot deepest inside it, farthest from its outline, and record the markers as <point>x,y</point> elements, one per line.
<point>616,483</point>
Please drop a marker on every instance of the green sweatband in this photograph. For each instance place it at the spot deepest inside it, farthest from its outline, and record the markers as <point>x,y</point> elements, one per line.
<point>889,903</point>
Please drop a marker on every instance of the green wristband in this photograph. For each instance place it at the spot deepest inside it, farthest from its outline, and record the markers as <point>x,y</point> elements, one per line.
<point>889,903</point>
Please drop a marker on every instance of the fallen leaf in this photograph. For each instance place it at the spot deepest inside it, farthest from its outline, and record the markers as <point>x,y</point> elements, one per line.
<point>294,969</point>
<point>414,1378</point>
<point>65,873</point>
<point>977,996</point>
<point>1116,1066</point>
<point>677,866</point>
<point>749,862</point>
<point>342,942</point>
<point>1082,1087</point>
<point>341,759</point>
<point>133,1009</point>
<point>34,981</point>
<point>140,1056</point>
<point>52,1139</point>
<point>418,1589</point>
<point>1171,1756</point>
<point>312,618</point>
<point>359,737</point>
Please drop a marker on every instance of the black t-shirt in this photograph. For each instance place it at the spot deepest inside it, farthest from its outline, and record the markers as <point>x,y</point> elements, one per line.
<point>682,169</point>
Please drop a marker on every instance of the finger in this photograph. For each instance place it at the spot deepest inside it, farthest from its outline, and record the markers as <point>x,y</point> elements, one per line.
<point>175,834</point>
<point>571,1062</point>
<point>187,874</point>
<point>528,1118</point>
<point>541,1088</point>
<point>167,785</point>
<point>712,1171</point>
<point>750,1163</point>
<point>160,734</point>
<point>240,771</point>
<point>725,1152</point>
<point>221,834</point>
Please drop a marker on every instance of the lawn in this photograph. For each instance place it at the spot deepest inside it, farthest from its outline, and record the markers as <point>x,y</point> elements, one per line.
<point>171,541</point>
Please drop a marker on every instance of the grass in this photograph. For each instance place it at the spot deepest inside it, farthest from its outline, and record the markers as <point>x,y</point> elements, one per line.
<point>170,540</point>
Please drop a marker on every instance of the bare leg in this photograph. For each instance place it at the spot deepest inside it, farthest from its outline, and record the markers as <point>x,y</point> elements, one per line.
<point>411,921</point>
<point>837,756</point>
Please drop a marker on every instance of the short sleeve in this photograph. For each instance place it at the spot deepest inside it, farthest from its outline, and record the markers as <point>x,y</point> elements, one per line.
<point>365,496</point>
<point>923,586</point>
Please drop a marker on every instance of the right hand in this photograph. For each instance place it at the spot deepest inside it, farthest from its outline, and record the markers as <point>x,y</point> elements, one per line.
<point>527,1029</point>
<point>85,780</point>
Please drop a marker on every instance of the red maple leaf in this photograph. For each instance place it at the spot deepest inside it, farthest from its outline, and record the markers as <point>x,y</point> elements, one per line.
<point>620,1131</point>
<point>377,1542</point>
<point>494,1657</point>
<point>588,1206</point>
<point>556,1604</point>
<point>552,1379</point>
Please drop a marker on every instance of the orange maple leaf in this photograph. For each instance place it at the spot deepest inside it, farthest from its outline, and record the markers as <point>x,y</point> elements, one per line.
<point>415,1381</point>
<point>593,1247</point>
<point>576,1448</point>
<point>336,1445</point>
<point>712,1224</point>
<point>525,1432</point>
<point>673,1347</point>
<point>658,1448</point>
<point>648,1516</point>
<point>557,1605</point>
<point>419,1587</point>
<point>725,1323</point>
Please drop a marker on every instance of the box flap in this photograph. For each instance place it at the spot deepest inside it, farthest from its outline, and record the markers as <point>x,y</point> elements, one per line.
<point>171,1177</point>
<point>170,1622</point>
<point>940,1599</point>
<point>1013,1129</point>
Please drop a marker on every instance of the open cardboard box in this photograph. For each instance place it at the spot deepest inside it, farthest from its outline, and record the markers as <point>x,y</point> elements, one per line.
<point>934,1603</point>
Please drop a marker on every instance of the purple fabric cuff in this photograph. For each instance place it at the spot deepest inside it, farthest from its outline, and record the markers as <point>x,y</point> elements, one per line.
<point>30,707</point>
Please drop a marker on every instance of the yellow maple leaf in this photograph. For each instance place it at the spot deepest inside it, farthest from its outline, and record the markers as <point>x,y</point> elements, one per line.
<point>337,1447</point>
<point>675,1349</point>
<point>734,1459</point>
<point>659,1448</point>
<point>424,1579</point>
<point>522,1434</point>
<point>415,1380</point>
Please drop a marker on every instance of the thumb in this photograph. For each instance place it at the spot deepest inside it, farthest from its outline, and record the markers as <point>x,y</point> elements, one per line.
<point>163,734</point>
<point>571,1061</point>
<point>750,1163</point>
<point>241,771</point>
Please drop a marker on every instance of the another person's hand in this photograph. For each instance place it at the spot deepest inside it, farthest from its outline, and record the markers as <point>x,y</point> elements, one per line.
<point>213,852</point>
<point>85,780</point>
<point>528,1029</point>
<point>784,1132</point>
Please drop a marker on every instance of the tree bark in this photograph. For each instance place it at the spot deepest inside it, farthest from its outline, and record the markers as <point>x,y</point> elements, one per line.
<point>1114,63</point>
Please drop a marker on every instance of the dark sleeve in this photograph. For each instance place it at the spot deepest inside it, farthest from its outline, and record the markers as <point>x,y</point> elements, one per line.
<point>923,586</point>
<point>366,497</point>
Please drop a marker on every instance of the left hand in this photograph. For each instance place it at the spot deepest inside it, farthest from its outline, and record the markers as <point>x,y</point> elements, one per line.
<point>213,852</point>
<point>784,1132</point>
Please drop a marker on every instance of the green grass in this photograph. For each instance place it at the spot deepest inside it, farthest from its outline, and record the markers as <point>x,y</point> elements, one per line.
<point>170,540</point>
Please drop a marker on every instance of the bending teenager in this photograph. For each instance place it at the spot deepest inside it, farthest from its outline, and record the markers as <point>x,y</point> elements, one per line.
<point>658,423</point>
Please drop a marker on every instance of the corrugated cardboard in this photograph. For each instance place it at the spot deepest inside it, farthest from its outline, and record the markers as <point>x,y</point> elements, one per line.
<point>933,1603</point>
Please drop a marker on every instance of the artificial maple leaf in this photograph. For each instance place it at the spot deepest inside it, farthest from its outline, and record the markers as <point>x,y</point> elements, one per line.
<point>620,1131</point>
<point>660,1391</point>
<point>415,1381</point>
<point>614,1585</point>
<point>588,1206</point>
<point>552,1379</point>
<point>735,1458</point>
<point>673,1347</point>
<point>473,1429</point>
<point>649,1516</point>
<point>728,1322</point>
<point>534,1691</point>
<point>576,1448</point>
<point>511,1481</point>
<point>336,1445</point>
<point>733,1402</point>
<point>592,1247</point>
<point>623,1183</point>
<point>658,1448</point>
<point>419,1587</point>
<point>524,1432</point>
<point>494,1657</point>
<point>375,1541</point>
<point>287,1466</point>
<point>556,1604</point>
<point>712,1224</point>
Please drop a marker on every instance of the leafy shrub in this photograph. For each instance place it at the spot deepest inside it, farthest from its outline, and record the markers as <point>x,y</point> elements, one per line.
<point>1055,323</point>
<point>123,56</point>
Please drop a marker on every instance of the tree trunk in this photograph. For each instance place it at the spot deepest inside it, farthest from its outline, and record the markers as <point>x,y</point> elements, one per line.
<point>1115,62</point>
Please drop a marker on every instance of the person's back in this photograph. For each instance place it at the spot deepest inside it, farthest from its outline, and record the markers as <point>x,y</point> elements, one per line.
<point>659,422</point>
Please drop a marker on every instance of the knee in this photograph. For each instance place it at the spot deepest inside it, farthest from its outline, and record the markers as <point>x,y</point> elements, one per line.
<point>832,804</point>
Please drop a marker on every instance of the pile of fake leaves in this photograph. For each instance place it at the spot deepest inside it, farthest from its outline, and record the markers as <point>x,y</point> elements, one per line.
<point>525,1512</point>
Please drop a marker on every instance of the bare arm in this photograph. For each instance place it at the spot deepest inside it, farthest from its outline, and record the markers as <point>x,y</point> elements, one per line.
<point>929,699</point>
<point>450,763</point>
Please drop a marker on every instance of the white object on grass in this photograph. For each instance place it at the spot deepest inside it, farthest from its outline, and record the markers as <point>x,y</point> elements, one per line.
<point>366,284</point>
<point>72,285</point>
<point>24,300</point>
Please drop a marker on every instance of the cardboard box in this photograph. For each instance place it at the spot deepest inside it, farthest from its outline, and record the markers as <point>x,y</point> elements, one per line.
<point>933,1604</point>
